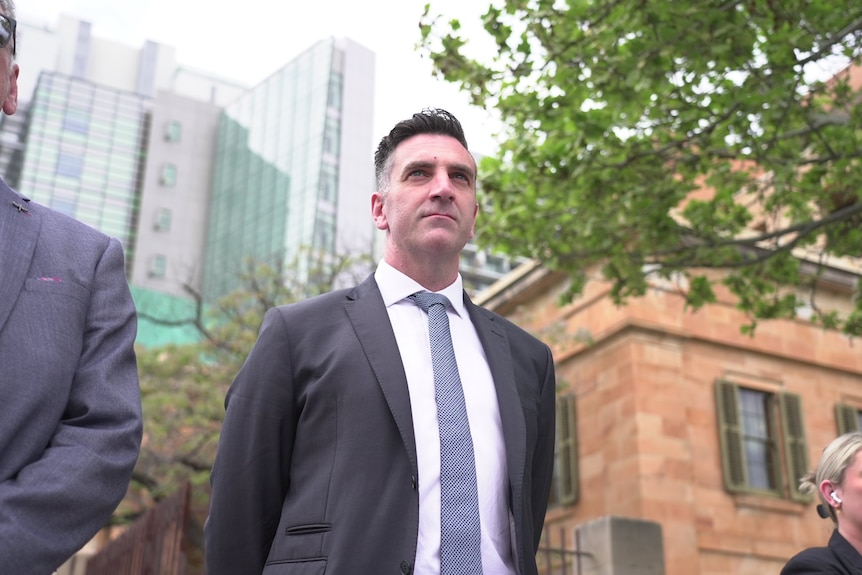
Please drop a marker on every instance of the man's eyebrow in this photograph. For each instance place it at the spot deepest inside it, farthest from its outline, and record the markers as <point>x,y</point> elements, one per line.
<point>457,167</point>
<point>464,168</point>
<point>416,164</point>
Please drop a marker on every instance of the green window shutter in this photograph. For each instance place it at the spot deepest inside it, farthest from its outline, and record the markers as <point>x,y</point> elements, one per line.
<point>795,447</point>
<point>847,417</point>
<point>567,451</point>
<point>730,436</point>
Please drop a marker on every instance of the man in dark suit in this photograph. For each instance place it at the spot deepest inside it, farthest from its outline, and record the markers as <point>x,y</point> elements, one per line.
<point>332,458</point>
<point>70,411</point>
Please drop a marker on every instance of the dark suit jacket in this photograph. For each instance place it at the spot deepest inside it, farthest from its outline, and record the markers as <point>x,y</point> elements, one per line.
<point>839,558</point>
<point>70,411</point>
<point>316,469</point>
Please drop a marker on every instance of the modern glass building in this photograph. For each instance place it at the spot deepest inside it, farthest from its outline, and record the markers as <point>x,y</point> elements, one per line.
<point>195,174</point>
<point>84,153</point>
<point>293,165</point>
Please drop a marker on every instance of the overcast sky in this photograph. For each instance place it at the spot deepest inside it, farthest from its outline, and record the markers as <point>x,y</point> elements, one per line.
<point>248,40</point>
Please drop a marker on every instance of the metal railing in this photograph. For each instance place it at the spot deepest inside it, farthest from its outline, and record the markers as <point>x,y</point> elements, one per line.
<point>555,557</point>
<point>152,545</point>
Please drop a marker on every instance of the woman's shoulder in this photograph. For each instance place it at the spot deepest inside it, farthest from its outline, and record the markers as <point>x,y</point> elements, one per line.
<point>815,560</point>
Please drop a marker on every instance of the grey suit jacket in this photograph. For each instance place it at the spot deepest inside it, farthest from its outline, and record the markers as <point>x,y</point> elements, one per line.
<point>70,412</point>
<point>316,469</point>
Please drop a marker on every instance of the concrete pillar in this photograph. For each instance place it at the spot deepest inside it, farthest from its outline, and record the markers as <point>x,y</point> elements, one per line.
<point>620,546</point>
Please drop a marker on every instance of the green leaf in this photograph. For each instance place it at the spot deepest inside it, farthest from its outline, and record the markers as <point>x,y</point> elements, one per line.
<point>671,132</point>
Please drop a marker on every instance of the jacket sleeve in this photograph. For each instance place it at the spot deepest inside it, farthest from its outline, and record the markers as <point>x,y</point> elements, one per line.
<point>56,503</point>
<point>250,475</point>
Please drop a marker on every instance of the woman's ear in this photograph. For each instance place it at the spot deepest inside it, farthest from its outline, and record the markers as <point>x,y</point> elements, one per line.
<point>827,490</point>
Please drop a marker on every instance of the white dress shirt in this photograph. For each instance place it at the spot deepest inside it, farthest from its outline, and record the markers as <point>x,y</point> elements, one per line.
<point>410,325</point>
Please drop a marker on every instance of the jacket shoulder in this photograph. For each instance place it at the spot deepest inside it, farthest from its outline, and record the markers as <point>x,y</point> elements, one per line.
<point>64,227</point>
<point>59,236</point>
<point>314,308</point>
<point>813,560</point>
<point>513,331</point>
<point>331,300</point>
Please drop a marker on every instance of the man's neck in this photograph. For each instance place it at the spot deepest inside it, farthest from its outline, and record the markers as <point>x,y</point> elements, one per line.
<point>433,275</point>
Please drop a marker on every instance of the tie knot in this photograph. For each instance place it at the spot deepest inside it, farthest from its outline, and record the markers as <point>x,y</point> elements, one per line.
<point>426,299</point>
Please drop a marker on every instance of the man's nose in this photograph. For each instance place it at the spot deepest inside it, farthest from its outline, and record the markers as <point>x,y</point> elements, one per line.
<point>441,187</point>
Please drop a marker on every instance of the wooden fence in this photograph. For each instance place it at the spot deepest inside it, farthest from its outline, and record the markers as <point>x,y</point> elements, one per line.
<point>152,545</point>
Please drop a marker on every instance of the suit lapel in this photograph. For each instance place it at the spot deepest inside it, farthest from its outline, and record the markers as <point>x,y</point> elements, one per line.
<point>19,231</point>
<point>367,313</point>
<point>496,345</point>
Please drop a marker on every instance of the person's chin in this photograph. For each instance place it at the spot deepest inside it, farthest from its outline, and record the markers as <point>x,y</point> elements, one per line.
<point>443,241</point>
<point>440,220</point>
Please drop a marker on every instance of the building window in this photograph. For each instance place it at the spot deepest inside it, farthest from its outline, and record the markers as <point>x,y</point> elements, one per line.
<point>69,165</point>
<point>762,440</point>
<point>564,488</point>
<point>163,220</point>
<point>169,175</point>
<point>331,134</point>
<point>173,131</point>
<point>324,232</point>
<point>158,266</point>
<point>76,121</point>
<point>336,83</point>
<point>328,183</point>
<point>849,418</point>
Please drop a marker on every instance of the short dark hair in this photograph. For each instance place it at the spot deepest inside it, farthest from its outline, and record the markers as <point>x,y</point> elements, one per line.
<point>428,121</point>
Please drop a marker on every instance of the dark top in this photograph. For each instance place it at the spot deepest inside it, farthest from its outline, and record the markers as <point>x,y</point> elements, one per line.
<point>838,557</point>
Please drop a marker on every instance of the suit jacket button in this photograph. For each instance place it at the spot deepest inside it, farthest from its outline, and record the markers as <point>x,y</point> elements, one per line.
<point>413,481</point>
<point>406,568</point>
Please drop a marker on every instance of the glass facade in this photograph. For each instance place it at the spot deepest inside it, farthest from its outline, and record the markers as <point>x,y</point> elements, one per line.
<point>276,171</point>
<point>193,188</point>
<point>83,153</point>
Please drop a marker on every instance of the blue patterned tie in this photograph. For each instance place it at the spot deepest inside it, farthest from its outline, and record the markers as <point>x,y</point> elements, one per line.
<point>460,535</point>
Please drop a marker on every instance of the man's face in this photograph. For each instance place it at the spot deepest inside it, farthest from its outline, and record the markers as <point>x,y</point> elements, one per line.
<point>8,79</point>
<point>430,207</point>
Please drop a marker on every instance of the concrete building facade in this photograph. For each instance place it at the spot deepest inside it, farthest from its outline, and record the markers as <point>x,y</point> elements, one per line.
<point>175,191</point>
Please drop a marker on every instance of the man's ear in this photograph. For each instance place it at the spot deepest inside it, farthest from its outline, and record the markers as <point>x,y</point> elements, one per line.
<point>377,212</point>
<point>10,104</point>
<point>475,215</point>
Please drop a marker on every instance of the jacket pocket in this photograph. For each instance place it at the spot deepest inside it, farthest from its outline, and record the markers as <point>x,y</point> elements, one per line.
<point>296,567</point>
<point>308,529</point>
<point>56,286</point>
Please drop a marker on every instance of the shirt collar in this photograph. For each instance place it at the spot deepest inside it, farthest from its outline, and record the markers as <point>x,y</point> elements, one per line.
<point>396,286</point>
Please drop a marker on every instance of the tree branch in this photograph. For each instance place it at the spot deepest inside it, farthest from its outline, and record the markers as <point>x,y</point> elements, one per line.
<point>803,229</point>
<point>824,47</point>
